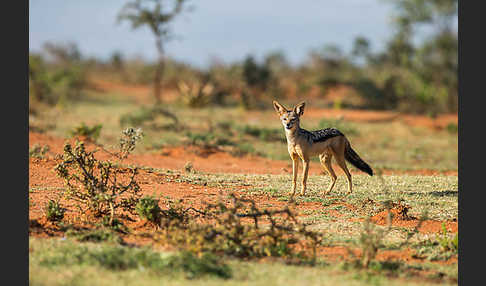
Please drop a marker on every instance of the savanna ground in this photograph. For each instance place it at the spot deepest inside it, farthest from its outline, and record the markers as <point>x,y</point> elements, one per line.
<point>203,155</point>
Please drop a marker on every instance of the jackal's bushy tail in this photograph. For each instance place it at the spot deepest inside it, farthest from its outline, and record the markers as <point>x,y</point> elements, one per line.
<point>353,158</point>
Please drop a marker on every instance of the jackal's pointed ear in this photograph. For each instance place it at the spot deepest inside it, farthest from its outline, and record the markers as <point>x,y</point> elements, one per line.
<point>299,108</point>
<point>279,108</point>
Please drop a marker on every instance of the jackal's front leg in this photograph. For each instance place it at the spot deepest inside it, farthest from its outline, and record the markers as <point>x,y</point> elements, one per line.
<point>304,175</point>
<point>295,169</point>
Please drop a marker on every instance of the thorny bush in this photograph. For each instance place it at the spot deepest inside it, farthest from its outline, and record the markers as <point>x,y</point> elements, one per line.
<point>96,185</point>
<point>128,141</point>
<point>239,229</point>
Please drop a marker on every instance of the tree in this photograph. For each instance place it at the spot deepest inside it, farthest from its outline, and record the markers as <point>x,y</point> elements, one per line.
<point>277,62</point>
<point>361,48</point>
<point>436,60</point>
<point>153,14</point>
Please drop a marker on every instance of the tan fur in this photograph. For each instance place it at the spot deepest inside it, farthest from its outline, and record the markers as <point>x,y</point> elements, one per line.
<point>299,147</point>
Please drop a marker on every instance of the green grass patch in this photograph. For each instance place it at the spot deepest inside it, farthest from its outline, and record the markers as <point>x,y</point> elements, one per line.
<point>55,262</point>
<point>66,254</point>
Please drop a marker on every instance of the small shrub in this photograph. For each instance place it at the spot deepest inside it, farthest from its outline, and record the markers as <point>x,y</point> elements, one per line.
<point>90,133</point>
<point>446,242</point>
<point>200,139</point>
<point>128,141</point>
<point>37,151</point>
<point>54,211</point>
<point>195,95</point>
<point>188,168</point>
<point>148,208</point>
<point>95,184</point>
<point>58,82</point>
<point>370,240</point>
<point>208,140</point>
<point>114,224</point>
<point>147,115</point>
<point>439,249</point>
<point>265,134</point>
<point>243,149</point>
<point>452,128</point>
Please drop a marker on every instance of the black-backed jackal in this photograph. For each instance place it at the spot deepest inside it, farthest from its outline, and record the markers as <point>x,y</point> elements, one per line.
<point>324,143</point>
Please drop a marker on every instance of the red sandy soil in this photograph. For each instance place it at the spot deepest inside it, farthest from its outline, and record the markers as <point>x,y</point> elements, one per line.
<point>401,218</point>
<point>212,161</point>
<point>46,185</point>
<point>41,174</point>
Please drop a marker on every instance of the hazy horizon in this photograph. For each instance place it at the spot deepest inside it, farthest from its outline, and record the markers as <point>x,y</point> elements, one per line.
<point>224,30</point>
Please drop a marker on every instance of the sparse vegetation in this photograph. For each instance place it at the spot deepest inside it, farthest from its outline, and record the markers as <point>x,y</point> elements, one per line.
<point>148,116</point>
<point>371,239</point>
<point>89,133</point>
<point>38,151</point>
<point>210,226</point>
<point>447,242</point>
<point>94,184</point>
<point>54,211</point>
<point>148,208</point>
<point>225,232</point>
<point>120,258</point>
<point>59,81</point>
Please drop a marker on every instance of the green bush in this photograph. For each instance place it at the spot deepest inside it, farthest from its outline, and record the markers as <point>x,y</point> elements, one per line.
<point>208,140</point>
<point>148,208</point>
<point>91,133</point>
<point>265,134</point>
<point>452,128</point>
<point>114,224</point>
<point>149,115</point>
<point>93,184</point>
<point>448,243</point>
<point>54,211</point>
<point>59,81</point>
<point>37,151</point>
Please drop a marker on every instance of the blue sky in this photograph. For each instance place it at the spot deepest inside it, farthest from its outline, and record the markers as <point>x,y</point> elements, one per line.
<point>227,30</point>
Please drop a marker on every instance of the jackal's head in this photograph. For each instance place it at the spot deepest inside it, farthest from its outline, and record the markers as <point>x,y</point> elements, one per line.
<point>289,118</point>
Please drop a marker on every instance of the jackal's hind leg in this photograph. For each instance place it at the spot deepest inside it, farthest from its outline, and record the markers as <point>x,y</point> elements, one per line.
<point>342,164</point>
<point>326,164</point>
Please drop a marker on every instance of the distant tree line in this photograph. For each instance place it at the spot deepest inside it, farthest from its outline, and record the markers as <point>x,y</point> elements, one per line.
<point>404,76</point>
